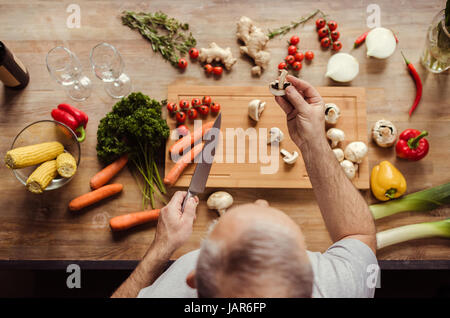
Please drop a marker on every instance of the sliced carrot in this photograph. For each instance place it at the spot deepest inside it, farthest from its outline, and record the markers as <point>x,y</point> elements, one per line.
<point>190,139</point>
<point>123,222</point>
<point>181,164</point>
<point>94,196</point>
<point>103,176</point>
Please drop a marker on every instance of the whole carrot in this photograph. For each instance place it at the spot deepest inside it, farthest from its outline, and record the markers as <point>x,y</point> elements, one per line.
<point>123,222</point>
<point>181,164</point>
<point>417,81</point>
<point>190,139</point>
<point>94,196</point>
<point>103,176</point>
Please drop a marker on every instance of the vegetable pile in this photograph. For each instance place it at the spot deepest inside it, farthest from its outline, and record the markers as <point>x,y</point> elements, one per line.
<point>135,127</point>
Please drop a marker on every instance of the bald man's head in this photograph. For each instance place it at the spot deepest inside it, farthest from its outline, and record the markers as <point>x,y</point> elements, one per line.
<point>254,251</point>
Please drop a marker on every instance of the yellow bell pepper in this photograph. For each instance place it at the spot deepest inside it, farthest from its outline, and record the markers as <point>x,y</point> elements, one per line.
<point>387,182</point>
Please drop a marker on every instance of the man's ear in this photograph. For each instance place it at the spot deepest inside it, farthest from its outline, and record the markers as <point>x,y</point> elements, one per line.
<point>190,279</point>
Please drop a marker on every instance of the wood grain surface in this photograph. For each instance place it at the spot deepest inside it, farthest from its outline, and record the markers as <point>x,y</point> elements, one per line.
<point>41,228</point>
<point>242,161</point>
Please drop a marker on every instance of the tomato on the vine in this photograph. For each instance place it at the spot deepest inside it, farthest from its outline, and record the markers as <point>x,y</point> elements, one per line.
<point>181,117</point>
<point>299,56</point>
<point>337,45</point>
<point>325,42</point>
<point>332,25</point>
<point>196,102</point>
<point>215,107</point>
<point>184,104</point>
<point>309,55</point>
<point>335,35</point>
<point>290,59</point>
<point>182,130</point>
<point>297,66</point>
<point>182,63</point>
<point>320,23</point>
<point>294,40</point>
<point>218,70</point>
<point>203,109</point>
<point>207,100</point>
<point>292,49</point>
<point>192,113</point>
<point>171,107</point>
<point>322,32</point>
<point>282,66</point>
<point>208,68</point>
<point>193,53</point>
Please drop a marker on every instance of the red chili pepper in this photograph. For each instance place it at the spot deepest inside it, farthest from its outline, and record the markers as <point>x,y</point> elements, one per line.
<point>79,115</point>
<point>417,81</point>
<point>360,39</point>
<point>411,145</point>
<point>69,120</point>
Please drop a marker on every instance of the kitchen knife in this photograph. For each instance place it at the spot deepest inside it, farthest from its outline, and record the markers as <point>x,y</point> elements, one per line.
<point>201,173</point>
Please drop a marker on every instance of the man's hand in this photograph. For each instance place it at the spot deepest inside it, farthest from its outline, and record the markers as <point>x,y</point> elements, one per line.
<point>304,109</point>
<point>174,227</point>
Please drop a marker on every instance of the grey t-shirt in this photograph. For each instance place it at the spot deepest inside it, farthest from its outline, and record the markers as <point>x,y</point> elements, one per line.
<point>348,268</point>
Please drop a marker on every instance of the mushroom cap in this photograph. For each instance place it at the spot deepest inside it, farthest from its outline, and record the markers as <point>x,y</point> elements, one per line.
<point>335,135</point>
<point>355,151</point>
<point>349,168</point>
<point>219,201</point>
<point>332,113</point>
<point>289,158</point>
<point>384,133</point>
<point>255,108</point>
<point>339,153</point>
<point>278,86</point>
<point>275,135</point>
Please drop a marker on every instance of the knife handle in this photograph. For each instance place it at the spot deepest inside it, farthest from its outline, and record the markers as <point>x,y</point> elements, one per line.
<point>186,198</point>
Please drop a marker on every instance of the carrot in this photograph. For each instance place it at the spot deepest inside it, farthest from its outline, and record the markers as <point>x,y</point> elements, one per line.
<point>123,222</point>
<point>94,196</point>
<point>102,177</point>
<point>181,164</point>
<point>190,139</point>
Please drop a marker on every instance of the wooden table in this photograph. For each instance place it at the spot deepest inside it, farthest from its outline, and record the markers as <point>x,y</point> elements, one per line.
<point>36,229</point>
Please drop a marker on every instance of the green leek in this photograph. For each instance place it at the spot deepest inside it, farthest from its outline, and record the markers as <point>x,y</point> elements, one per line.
<point>412,232</point>
<point>425,200</point>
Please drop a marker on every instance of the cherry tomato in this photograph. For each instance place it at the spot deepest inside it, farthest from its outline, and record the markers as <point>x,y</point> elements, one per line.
<point>192,113</point>
<point>309,55</point>
<point>171,107</point>
<point>292,49</point>
<point>208,68</point>
<point>204,110</point>
<point>325,42</point>
<point>335,35</point>
<point>215,107</point>
<point>282,65</point>
<point>181,117</point>
<point>299,56</point>
<point>182,63</point>
<point>196,102</point>
<point>323,32</point>
<point>207,100</point>
<point>218,70</point>
<point>193,53</point>
<point>290,59</point>
<point>294,40</point>
<point>182,130</point>
<point>184,104</point>
<point>297,66</point>
<point>337,45</point>
<point>332,25</point>
<point>320,23</point>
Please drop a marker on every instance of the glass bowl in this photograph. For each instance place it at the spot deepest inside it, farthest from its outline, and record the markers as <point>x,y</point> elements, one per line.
<point>46,131</point>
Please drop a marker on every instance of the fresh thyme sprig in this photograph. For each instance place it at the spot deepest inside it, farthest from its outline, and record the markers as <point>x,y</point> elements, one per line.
<point>167,35</point>
<point>285,29</point>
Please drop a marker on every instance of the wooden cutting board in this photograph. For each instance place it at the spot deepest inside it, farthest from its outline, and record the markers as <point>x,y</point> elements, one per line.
<point>247,173</point>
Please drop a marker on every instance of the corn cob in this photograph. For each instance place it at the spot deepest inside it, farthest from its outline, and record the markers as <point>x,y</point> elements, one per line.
<point>66,165</point>
<point>41,177</point>
<point>32,155</point>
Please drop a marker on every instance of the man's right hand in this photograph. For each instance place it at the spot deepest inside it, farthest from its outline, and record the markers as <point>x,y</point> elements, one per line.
<point>304,109</point>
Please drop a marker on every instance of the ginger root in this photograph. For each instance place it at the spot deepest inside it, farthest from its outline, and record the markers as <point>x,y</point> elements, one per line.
<point>255,41</point>
<point>216,53</point>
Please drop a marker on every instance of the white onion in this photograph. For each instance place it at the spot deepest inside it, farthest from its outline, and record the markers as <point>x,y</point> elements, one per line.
<point>380,43</point>
<point>342,67</point>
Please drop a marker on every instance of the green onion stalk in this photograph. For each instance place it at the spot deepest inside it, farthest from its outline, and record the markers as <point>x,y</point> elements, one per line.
<point>412,232</point>
<point>425,200</point>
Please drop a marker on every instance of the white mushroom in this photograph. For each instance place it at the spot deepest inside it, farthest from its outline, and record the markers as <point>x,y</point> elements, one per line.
<point>355,151</point>
<point>339,153</point>
<point>219,201</point>
<point>384,133</point>
<point>275,135</point>
<point>255,108</point>
<point>278,86</point>
<point>336,136</point>
<point>349,168</point>
<point>289,158</point>
<point>332,113</point>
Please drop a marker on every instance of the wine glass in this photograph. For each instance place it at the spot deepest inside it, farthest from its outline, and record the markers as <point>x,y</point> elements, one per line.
<point>108,65</point>
<point>66,69</point>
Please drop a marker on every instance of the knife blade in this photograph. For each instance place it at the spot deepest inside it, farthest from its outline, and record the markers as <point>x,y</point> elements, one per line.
<point>201,173</point>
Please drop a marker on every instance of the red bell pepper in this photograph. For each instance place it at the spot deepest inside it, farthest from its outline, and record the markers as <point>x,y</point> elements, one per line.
<point>411,145</point>
<point>72,117</point>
